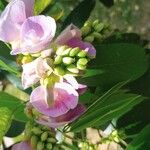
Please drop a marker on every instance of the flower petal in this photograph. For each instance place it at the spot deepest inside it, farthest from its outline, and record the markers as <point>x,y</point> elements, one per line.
<point>22,146</point>
<point>65,98</point>
<point>74,42</point>
<point>70,32</point>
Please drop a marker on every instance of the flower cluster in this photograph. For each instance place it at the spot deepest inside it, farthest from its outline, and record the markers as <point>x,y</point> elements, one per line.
<point>49,64</point>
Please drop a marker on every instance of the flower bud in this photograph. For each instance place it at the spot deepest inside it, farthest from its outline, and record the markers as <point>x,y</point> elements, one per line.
<point>70,73</point>
<point>34,141</point>
<point>88,23</point>
<point>36,55</point>
<point>58,60</point>
<point>61,49</point>
<point>49,146</point>
<point>74,51</point>
<point>35,112</point>
<point>26,59</point>
<point>96,22</point>
<point>51,140</point>
<point>99,27</point>
<point>55,148</point>
<point>73,69</point>
<point>40,146</point>
<point>82,54</point>
<point>68,60</point>
<point>59,71</point>
<point>89,39</point>
<point>44,136</point>
<point>66,52</point>
<point>81,67</point>
<point>85,30</point>
<point>97,35</point>
<point>82,61</point>
<point>36,131</point>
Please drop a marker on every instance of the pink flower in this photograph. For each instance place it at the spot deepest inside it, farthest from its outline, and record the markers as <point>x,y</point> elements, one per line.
<point>26,33</point>
<point>22,146</point>
<point>71,36</point>
<point>62,97</point>
<point>60,121</point>
<point>33,71</point>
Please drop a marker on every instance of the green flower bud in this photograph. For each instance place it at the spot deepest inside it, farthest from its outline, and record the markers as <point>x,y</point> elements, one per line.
<point>66,52</point>
<point>58,60</point>
<point>35,112</point>
<point>96,22</point>
<point>51,140</point>
<point>73,69</point>
<point>74,51</point>
<point>82,54</point>
<point>34,141</point>
<point>49,146</point>
<point>36,130</point>
<point>44,136</point>
<point>88,23</point>
<point>36,54</point>
<point>81,67</point>
<point>61,49</point>
<point>56,148</point>
<point>70,73</point>
<point>85,30</point>
<point>59,70</point>
<point>89,39</point>
<point>68,60</point>
<point>99,27</point>
<point>26,59</point>
<point>97,35</point>
<point>40,146</point>
<point>82,61</point>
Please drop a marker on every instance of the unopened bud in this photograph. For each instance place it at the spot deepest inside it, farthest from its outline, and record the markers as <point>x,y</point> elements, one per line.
<point>56,148</point>
<point>58,60</point>
<point>99,27</point>
<point>49,146</point>
<point>61,49</point>
<point>97,35</point>
<point>68,60</point>
<point>36,130</point>
<point>83,53</point>
<point>88,23</point>
<point>35,112</point>
<point>82,61</point>
<point>96,22</point>
<point>85,30</point>
<point>44,136</point>
<point>40,146</point>
<point>89,39</point>
<point>26,59</point>
<point>66,52</point>
<point>36,54</point>
<point>73,69</point>
<point>70,73</point>
<point>59,70</point>
<point>81,67</point>
<point>51,140</point>
<point>74,51</point>
<point>34,141</point>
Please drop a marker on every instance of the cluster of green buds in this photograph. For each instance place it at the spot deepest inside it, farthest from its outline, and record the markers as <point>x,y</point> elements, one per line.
<point>23,59</point>
<point>95,30</point>
<point>70,61</point>
<point>87,146</point>
<point>40,137</point>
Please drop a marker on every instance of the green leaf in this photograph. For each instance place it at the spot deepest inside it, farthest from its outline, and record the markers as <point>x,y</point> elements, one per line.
<point>9,66</point>
<point>80,14</point>
<point>117,62</point>
<point>5,121</point>
<point>13,104</point>
<point>111,105</point>
<point>107,3</point>
<point>40,5</point>
<point>142,141</point>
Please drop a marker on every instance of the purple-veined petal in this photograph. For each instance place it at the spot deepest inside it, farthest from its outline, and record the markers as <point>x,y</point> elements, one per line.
<point>65,98</point>
<point>36,34</point>
<point>88,47</point>
<point>81,88</point>
<point>60,121</point>
<point>22,146</point>
<point>70,32</point>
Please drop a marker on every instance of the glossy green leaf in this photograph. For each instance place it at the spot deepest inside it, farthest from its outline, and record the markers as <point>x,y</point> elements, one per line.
<point>40,5</point>
<point>80,14</point>
<point>13,104</point>
<point>117,62</point>
<point>5,121</point>
<point>142,141</point>
<point>111,105</point>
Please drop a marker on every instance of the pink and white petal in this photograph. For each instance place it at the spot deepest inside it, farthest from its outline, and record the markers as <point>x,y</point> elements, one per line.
<point>88,47</point>
<point>22,146</point>
<point>36,33</point>
<point>70,32</point>
<point>81,88</point>
<point>65,98</point>
<point>29,7</point>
